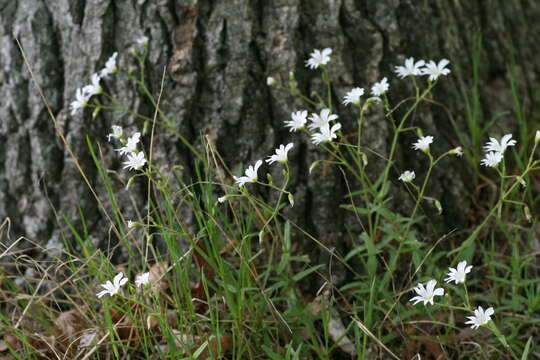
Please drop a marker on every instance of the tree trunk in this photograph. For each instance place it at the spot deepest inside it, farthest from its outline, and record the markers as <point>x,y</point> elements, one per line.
<point>218,55</point>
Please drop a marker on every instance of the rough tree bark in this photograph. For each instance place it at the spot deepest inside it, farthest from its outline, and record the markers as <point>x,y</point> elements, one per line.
<point>218,54</point>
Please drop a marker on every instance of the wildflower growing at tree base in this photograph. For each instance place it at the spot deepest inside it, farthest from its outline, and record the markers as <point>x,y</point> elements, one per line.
<point>320,120</point>
<point>298,122</point>
<point>81,100</point>
<point>434,70</point>
<point>270,81</point>
<point>458,274</point>
<point>480,317</point>
<point>380,88</point>
<point>250,174</point>
<point>131,144</point>
<point>280,155</point>
<point>142,279</point>
<point>423,143</point>
<point>135,161</point>
<point>427,293</point>
<point>110,66</point>
<point>326,134</point>
<point>117,132</point>
<point>319,58</point>
<point>410,68</point>
<point>112,288</point>
<point>407,176</point>
<point>496,146</point>
<point>353,96</point>
<point>492,159</point>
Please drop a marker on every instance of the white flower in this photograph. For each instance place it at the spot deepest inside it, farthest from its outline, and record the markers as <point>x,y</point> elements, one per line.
<point>299,120</point>
<point>380,87</point>
<point>353,96</point>
<point>270,81</point>
<point>318,121</point>
<point>457,151</point>
<point>131,144</point>
<point>250,174</point>
<point>423,143</point>
<point>407,176</point>
<point>110,66</point>
<point>94,88</point>
<point>319,58</point>
<point>411,68</point>
<point>143,40</point>
<point>494,145</point>
<point>142,279</point>
<point>81,100</point>
<point>537,136</point>
<point>222,199</point>
<point>458,275</point>
<point>326,134</point>
<point>135,161</point>
<point>492,159</point>
<point>281,154</point>
<point>130,224</point>
<point>435,70</point>
<point>426,294</point>
<point>112,288</point>
<point>480,317</point>
<point>117,132</point>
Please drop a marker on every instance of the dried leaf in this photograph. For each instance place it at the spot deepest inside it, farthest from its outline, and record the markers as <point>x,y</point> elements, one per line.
<point>157,275</point>
<point>71,324</point>
<point>338,333</point>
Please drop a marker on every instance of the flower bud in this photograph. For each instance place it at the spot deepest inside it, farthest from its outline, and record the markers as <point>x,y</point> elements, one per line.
<point>438,206</point>
<point>457,151</point>
<point>291,199</point>
<point>527,212</point>
<point>222,199</point>
<point>314,165</point>
<point>364,159</point>
<point>270,81</point>
<point>130,182</point>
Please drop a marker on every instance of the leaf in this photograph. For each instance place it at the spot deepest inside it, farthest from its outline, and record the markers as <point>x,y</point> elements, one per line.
<point>157,275</point>
<point>525,354</point>
<point>71,324</point>
<point>306,272</point>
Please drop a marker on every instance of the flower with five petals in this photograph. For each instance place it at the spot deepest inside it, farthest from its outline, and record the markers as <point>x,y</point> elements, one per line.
<point>427,293</point>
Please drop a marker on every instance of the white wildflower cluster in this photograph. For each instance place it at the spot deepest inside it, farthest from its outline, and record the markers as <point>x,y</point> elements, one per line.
<point>495,150</point>
<point>422,144</point>
<point>135,158</point>
<point>320,127</point>
<point>83,95</point>
<point>426,293</point>
<point>142,41</point>
<point>251,176</point>
<point>420,68</point>
<point>113,287</point>
<point>321,122</point>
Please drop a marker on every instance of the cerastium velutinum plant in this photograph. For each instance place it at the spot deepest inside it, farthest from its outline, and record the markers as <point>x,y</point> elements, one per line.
<point>324,131</point>
<point>227,282</point>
